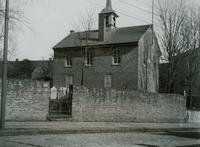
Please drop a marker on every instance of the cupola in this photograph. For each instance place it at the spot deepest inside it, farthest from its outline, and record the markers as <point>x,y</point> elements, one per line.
<point>107,20</point>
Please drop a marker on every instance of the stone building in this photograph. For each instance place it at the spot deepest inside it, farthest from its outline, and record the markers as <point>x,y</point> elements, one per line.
<point>110,57</point>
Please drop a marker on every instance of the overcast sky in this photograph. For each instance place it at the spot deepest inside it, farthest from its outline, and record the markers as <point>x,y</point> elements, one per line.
<point>51,21</point>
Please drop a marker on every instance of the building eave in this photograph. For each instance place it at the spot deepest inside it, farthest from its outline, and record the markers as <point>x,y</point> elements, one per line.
<point>99,45</point>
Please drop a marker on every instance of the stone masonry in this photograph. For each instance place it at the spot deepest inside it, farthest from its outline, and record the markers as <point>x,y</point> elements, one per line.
<point>92,104</point>
<point>27,100</point>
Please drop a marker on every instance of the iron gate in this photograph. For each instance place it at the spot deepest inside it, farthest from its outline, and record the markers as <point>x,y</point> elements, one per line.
<point>62,105</point>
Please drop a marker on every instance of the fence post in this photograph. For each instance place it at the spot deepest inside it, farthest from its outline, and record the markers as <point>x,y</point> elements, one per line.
<point>70,97</point>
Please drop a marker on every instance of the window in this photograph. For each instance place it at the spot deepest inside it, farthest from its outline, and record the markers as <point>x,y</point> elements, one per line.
<point>68,59</point>
<point>89,58</point>
<point>116,57</point>
<point>107,81</point>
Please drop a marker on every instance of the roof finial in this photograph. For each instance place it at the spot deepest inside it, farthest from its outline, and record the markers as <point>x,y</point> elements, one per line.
<point>108,9</point>
<point>109,4</point>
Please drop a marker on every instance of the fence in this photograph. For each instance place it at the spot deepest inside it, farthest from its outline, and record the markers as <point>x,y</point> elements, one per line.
<point>62,104</point>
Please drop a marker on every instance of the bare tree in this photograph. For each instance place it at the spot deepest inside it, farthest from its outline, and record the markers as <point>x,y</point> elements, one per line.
<point>180,40</point>
<point>17,21</point>
<point>83,29</point>
<point>191,35</point>
<point>172,14</point>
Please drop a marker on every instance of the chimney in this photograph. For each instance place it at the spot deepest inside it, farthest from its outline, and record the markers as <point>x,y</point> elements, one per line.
<point>71,31</point>
<point>102,27</point>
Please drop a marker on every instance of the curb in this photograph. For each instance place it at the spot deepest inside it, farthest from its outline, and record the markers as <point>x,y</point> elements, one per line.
<point>18,132</point>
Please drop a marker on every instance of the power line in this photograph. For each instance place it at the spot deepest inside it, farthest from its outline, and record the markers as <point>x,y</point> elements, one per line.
<point>133,17</point>
<point>130,16</point>
<point>142,9</point>
<point>141,2</point>
<point>129,4</point>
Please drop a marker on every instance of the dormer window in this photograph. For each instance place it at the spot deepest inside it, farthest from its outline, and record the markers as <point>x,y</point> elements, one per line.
<point>68,59</point>
<point>117,57</point>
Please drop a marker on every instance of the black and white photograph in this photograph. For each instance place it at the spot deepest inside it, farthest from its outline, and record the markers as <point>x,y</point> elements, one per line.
<point>99,73</point>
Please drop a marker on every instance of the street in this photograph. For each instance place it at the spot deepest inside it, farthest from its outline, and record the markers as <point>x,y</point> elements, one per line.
<point>162,139</point>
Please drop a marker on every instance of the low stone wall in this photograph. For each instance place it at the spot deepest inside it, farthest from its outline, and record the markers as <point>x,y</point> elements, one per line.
<point>127,106</point>
<point>27,100</point>
<point>193,116</point>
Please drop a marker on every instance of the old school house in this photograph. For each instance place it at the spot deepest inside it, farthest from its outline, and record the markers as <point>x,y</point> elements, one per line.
<point>110,57</point>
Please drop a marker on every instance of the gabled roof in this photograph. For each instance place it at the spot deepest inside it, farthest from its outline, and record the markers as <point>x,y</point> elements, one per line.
<point>115,36</point>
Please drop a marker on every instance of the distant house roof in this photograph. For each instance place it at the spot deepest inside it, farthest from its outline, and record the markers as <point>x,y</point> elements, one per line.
<point>115,36</point>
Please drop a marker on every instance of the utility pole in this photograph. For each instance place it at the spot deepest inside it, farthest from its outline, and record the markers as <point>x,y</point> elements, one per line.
<point>4,76</point>
<point>152,20</point>
<point>152,12</point>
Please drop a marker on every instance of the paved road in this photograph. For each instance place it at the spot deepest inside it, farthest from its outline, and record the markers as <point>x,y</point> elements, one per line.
<point>167,139</point>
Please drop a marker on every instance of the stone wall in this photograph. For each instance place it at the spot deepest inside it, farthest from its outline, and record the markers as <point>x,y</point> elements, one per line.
<point>27,100</point>
<point>90,104</point>
<point>193,116</point>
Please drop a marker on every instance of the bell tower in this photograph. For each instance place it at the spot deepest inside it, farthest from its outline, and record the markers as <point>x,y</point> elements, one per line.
<point>107,20</point>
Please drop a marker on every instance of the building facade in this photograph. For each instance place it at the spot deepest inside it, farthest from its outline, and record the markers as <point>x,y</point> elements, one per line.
<point>110,57</point>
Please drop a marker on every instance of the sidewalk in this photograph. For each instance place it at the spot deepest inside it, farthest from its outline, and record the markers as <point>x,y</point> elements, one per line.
<point>65,127</point>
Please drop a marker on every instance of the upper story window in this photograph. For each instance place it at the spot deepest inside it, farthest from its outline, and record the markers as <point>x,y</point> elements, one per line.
<point>68,59</point>
<point>116,57</point>
<point>89,58</point>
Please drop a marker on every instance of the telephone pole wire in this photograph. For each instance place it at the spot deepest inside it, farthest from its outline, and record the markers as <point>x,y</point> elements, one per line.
<point>4,75</point>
